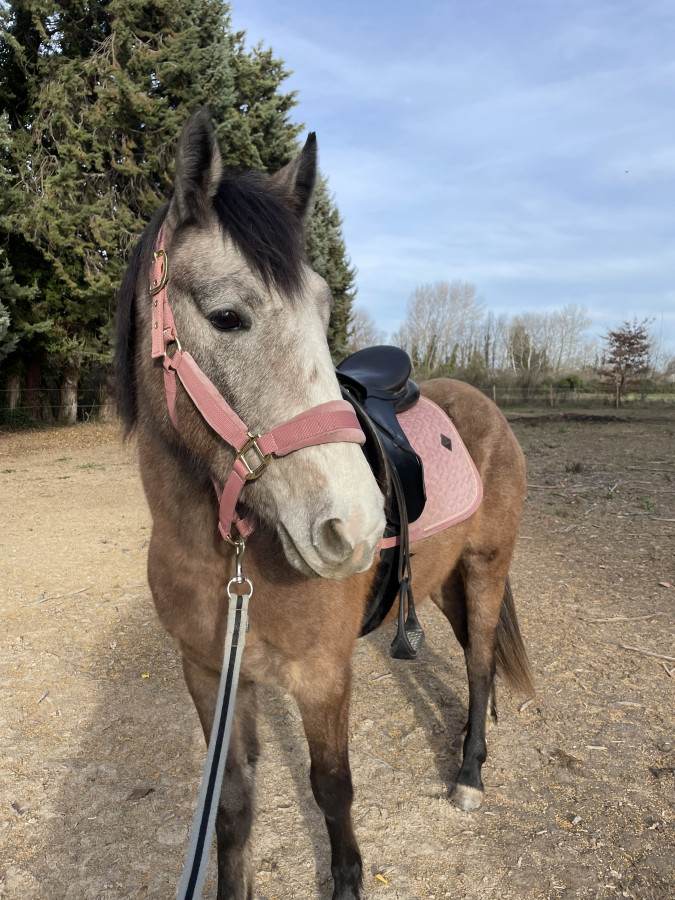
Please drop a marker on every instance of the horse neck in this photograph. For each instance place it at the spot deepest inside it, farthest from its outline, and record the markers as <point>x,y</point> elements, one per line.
<point>184,508</point>
<point>180,494</point>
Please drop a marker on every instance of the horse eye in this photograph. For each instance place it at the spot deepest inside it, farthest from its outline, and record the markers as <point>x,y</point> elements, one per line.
<point>225,320</point>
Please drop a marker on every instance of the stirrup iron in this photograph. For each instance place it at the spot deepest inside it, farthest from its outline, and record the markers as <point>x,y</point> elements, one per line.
<point>410,634</point>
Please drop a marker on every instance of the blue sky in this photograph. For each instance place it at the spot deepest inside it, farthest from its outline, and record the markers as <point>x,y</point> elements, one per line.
<point>527,147</point>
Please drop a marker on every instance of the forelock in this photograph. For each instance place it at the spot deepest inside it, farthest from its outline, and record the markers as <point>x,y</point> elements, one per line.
<point>263,227</point>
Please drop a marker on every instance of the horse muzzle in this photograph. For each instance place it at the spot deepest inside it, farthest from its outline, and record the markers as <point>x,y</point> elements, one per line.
<point>332,547</point>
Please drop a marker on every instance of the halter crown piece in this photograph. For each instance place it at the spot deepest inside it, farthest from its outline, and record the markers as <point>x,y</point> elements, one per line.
<point>326,423</point>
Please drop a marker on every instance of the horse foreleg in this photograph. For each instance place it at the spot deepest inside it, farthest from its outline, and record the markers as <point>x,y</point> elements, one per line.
<point>326,723</point>
<point>235,808</point>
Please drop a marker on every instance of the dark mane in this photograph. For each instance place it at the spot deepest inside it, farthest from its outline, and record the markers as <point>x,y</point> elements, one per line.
<point>256,214</point>
<point>125,322</point>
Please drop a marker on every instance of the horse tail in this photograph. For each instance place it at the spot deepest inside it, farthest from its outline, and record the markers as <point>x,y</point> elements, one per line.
<point>510,652</point>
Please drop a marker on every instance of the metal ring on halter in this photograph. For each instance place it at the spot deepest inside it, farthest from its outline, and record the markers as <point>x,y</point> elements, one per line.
<point>233,594</point>
<point>174,340</point>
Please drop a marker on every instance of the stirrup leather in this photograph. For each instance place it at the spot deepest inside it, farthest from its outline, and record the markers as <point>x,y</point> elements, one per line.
<point>410,634</point>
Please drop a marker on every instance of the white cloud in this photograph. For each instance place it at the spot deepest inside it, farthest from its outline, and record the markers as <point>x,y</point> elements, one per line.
<point>490,142</point>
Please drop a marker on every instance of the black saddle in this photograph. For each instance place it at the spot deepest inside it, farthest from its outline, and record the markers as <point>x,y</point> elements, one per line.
<point>376,381</point>
<point>380,370</point>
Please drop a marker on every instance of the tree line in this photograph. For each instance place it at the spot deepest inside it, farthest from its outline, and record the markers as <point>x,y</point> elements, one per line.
<point>92,98</point>
<point>447,327</point>
<point>448,331</point>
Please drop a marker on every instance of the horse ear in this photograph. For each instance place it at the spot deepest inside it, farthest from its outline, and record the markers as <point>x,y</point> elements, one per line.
<point>298,178</point>
<point>198,166</point>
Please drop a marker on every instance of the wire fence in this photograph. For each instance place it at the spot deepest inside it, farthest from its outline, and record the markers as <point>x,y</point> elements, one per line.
<point>42,407</point>
<point>552,397</point>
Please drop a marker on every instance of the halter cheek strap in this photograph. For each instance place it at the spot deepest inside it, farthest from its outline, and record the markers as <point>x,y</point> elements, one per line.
<point>326,423</point>
<point>163,326</point>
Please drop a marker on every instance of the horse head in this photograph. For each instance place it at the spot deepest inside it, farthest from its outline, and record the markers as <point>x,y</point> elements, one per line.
<point>253,315</point>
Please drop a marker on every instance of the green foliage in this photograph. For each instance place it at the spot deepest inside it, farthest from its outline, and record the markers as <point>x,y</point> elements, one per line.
<point>570,383</point>
<point>254,131</point>
<point>476,371</point>
<point>327,254</point>
<point>7,341</point>
<point>93,98</point>
<point>13,297</point>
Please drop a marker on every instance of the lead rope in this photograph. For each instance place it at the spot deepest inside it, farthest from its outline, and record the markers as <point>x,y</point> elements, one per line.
<point>203,823</point>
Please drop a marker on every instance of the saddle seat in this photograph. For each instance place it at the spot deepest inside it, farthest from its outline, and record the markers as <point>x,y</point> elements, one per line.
<point>382,372</point>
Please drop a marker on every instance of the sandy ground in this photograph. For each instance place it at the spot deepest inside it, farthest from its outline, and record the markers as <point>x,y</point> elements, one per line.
<point>101,752</point>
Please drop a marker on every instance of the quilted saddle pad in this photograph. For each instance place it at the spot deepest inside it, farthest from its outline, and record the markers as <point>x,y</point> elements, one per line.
<point>453,485</point>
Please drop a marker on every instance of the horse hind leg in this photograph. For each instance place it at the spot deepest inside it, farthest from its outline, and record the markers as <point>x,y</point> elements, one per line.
<point>326,724</point>
<point>471,601</point>
<point>234,818</point>
<point>452,602</point>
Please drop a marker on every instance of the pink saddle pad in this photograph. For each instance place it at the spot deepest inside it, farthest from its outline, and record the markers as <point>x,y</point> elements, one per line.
<point>454,488</point>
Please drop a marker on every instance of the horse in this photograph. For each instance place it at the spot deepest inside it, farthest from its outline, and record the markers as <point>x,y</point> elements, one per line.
<point>254,316</point>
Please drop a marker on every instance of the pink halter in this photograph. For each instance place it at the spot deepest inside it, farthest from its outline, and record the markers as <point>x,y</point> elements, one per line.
<point>325,423</point>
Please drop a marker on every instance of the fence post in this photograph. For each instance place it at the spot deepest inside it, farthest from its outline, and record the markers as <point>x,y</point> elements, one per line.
<point>494,394</point>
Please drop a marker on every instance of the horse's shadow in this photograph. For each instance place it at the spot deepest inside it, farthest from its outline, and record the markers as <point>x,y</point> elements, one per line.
<point>117,818</point>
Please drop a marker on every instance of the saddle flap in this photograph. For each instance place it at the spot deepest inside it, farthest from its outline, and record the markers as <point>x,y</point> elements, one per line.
<point>376,381</point>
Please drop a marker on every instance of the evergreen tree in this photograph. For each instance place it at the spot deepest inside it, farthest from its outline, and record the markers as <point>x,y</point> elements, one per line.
<point>254,132</point>
<point>93,97</point>
<point>24,303</point>
<point>7,341</point>
<point>327,254</point>
<point>12,295</point>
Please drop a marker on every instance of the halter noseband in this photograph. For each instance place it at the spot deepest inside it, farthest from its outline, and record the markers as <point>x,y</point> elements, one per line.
<point>326,423</point>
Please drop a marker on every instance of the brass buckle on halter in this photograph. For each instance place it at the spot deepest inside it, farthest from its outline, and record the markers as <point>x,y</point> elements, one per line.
<point>252,444</point>
<point>157,286</point>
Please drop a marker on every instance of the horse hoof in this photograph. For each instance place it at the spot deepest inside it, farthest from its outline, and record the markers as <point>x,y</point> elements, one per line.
<point>466,797</point>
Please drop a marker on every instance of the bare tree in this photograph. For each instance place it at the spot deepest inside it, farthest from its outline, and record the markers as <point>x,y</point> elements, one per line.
<point>547,342</point>
<point>446,331</point>
<point>491,331</point>
<point>364,331</point>
<point>567,348</point>
<point>658,351</point>
<point>441,321</point>
<point>627,359</point>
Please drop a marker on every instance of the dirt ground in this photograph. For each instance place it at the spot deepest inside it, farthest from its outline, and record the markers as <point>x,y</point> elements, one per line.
<point>101,752</point>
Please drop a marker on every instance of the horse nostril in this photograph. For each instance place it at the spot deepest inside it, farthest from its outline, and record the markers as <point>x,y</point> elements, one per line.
<point>338,546</point>
<point>334,542</point>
